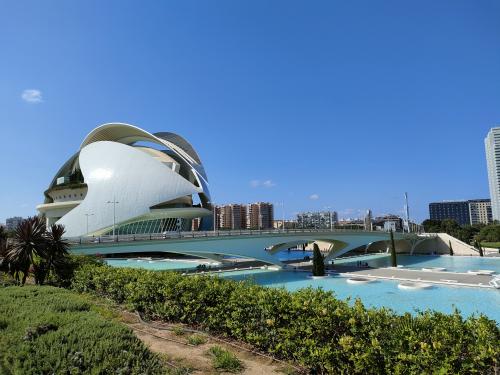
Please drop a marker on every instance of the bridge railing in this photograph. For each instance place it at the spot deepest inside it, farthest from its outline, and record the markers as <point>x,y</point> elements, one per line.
<point>196,234</point>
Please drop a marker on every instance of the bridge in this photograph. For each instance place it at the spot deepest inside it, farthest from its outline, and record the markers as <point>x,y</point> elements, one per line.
<point>262,245</point>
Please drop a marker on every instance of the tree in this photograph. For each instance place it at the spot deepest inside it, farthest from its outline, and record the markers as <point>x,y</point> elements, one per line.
<point>29,243</point>
<point>394,262</point>
<point>318,262</point>
<point>55,251</point>
<point>477,245</point>
<point>450,247</point>
<point>432,226</point>
<point>3,249</point>
<point>468,232</point>
<point>490,233</point>
<point>3,241</point>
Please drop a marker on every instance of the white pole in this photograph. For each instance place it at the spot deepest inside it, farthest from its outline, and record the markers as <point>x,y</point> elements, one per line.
<point>114,213</point>
<point>215,217</point>
<point>283,206</point>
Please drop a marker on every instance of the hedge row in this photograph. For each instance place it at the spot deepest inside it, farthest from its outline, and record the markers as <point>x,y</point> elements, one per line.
<point>47,330</point>
<point>310,326</point>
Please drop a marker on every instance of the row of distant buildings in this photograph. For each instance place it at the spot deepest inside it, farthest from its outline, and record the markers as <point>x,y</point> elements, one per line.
<point>235,216</point>
<point>260,215</point>
<point>464,212</point>
<point>329,219</point>
<point>12,222</point>
<point>476,211</point>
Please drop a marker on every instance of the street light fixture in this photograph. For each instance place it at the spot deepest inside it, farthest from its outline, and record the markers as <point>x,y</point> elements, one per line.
<point>114,202</point>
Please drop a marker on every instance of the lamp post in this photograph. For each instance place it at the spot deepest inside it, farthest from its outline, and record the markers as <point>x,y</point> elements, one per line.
<point>114,202</point>
<point>283,207</point>
<point>215,218</point>
<point>87,215</point>
<point>214,207</point>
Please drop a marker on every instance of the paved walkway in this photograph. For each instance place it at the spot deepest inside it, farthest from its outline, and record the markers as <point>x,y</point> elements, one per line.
<point>433,277</point>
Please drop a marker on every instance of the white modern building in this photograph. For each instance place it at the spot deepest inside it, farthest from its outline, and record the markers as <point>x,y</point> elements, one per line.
<point>492,146</point>
<point>125,180</point>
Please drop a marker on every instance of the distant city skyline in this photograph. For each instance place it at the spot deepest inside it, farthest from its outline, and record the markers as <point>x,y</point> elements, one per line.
<point>314,105</point>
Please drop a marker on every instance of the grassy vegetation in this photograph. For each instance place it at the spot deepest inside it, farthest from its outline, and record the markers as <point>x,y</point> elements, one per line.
<point>491,244</point>
<point>224,360</point>
<point>197,340</point>
<point>47,330</point>
<point>179,331</point>
<point>310,326</point>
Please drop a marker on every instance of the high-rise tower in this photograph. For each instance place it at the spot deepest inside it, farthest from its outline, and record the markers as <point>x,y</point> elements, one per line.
<point>492,146</point>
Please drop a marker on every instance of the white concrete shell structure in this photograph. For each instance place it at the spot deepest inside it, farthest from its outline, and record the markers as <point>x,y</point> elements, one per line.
<point>127,180</point>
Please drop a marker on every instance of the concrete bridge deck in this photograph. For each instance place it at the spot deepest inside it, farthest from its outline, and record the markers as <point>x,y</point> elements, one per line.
<point>262,245</point>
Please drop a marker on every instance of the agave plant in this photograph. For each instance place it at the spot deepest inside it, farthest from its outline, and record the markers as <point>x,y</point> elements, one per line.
<point>29,243</point>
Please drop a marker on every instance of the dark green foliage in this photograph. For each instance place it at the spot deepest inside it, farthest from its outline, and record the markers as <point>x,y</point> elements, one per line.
<point>479,248</point>
<point>53,254</point>
<point>491,233</point>
<point>63,273</point>
<point>318,268</point>
<point>450,248</point>
<point>394,262</point>
<point>432,226</point>
<point>34,248</point>
<point>309,326</point>
<point>3,249</point>
<point>46,330</point>
<point>465,233</point>
<point>28,245</point>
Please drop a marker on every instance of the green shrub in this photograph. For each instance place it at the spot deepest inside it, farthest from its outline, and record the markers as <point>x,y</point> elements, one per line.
<point>224,360</point>
<point>193,339</point>
<point>309,326</point>
<point>65,269</point>
<point>179,331</point>
<point>46,330</point>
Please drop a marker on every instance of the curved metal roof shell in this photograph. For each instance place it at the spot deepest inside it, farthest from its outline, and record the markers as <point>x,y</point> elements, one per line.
<point>129,134</point>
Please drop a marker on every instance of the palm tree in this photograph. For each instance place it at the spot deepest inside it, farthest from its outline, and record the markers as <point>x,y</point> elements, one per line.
<point>29,242</point>
<point>3,248</point>
<point>56,249</point>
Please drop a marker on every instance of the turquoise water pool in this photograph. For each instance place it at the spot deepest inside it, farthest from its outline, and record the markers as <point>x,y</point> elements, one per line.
<point>385,293</point>
<point>376,294</point>
<point>293,255</point>
<point>451,263</point>
<point>156,264</point>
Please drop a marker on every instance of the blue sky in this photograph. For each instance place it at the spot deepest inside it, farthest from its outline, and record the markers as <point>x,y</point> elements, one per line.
<point>351,103</point>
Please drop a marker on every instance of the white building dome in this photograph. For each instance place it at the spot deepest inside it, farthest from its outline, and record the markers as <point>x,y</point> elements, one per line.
<point>128,179</point>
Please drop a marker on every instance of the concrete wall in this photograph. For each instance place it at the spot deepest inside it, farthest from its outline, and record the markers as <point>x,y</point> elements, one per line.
<point>439,244</point>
